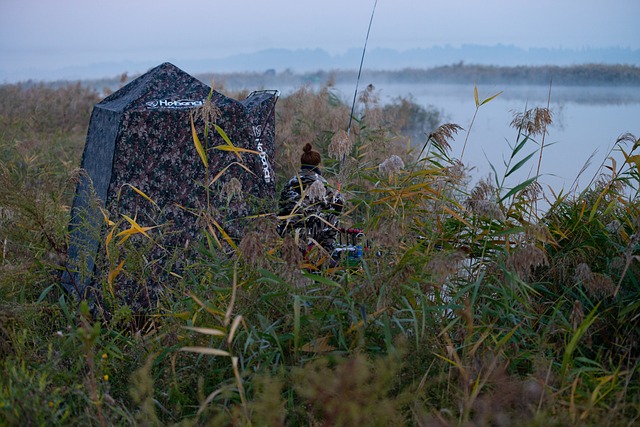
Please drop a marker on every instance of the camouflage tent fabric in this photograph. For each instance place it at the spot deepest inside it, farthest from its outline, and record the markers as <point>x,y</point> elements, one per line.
<point>142,168</point>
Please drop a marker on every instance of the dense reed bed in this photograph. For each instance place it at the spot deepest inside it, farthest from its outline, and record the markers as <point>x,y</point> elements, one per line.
<point>472,306</point>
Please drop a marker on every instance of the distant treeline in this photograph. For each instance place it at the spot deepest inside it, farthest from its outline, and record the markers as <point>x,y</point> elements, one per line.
<point>460,73</point>
<point>577,75</point>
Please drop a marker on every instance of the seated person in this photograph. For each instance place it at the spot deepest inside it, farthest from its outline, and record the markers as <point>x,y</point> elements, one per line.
<point>308,206</point>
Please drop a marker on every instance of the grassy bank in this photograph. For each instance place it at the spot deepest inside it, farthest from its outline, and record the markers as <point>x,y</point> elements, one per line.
<point>470,307</point>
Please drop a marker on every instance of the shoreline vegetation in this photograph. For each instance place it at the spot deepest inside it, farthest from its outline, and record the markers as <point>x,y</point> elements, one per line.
<point>459,73</point>
<point>578,75</point>
<point>470,306</point>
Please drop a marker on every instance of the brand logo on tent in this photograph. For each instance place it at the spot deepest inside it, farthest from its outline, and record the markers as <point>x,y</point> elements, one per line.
<point>257,132</point>
<point>174,104</point>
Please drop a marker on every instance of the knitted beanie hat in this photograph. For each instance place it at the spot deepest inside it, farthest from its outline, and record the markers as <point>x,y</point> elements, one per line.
<point>310,156</point>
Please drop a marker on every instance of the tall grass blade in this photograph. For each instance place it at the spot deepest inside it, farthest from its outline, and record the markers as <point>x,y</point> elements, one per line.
<point>141,193</point>
<point>519,164</point>
<point>491,98</point>
<point>205,331</point>
<point>296,323</point>
<point>579,332</point>
<point>234,327</point>
<point>198,144</point>
<point>206,350</point>
<point>518,188</point>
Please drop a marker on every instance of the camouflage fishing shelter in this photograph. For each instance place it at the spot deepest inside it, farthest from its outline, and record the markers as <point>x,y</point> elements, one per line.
<point>140,162</point>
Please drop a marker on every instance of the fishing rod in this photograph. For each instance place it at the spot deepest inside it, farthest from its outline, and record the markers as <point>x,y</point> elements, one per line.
<point>353,251</point>
<point>355,93</point>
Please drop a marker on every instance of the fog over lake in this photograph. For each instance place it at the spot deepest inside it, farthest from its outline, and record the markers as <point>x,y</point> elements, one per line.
<point>586,120</point>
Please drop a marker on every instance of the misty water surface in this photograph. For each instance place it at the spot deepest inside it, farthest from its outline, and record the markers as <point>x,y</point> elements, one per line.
<point>587,123</point>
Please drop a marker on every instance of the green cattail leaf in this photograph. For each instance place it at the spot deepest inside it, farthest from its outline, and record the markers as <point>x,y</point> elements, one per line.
<point>596,205</point>
<point>580,331</point>
<point>267,276</point>
<point>517,188</point>
<point>323,280</point>
<point>495,174</point>
<point>45,292</point>
<point>519,146</point>
<point>223,134</point>
<point>296,322</point>
<point>519,164</point>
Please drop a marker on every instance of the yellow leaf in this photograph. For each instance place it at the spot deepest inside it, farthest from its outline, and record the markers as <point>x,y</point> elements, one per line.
<point>106,217</point>
<point>235,149</point>
<point>140,192</point>
<point>112,276</point>
<point>108,240</point>
<point>225,236</point>
<point>135,229</point>
<point>456,216</point>
<point>360,323</point>
<point>475,95</point>
<point>207,308</point>
<point>215,178</point>
<point>196,141</point>
<point>184,315</point>
<point>491,97</point>
<point>635,159</point>
<point>319,345</point>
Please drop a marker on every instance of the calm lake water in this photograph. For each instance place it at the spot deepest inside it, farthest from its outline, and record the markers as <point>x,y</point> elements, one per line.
<point>586,121</point>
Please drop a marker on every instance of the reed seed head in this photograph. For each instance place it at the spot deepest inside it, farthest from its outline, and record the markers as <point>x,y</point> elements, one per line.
<point>232,188</point>
<point>444,264</point>
<point>596,284</point>
<point>209,112</point>
<point>251,249</point>
<point>532,122</point>
<point>443,134</point>
<point>455,173</point>
<point>538,232</point>
<point>391,166</point>
<point>292,257</point>
<point>582,273</point>
<point>627,138</point>
<point>482,201</point>
<point>316,191</point>
<point>340,145</point>
<point>577,314</point>
<point>524,259</point>
<point>601,286</point>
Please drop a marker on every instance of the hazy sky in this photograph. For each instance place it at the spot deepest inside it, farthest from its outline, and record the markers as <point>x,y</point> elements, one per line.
<point>50,34</point>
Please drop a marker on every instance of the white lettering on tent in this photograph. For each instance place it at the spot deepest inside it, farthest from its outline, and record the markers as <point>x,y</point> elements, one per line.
<point>177,104</point>
<point>257,133</point>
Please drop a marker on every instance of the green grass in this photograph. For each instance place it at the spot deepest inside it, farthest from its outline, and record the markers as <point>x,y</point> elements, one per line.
<point>472,306</point>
